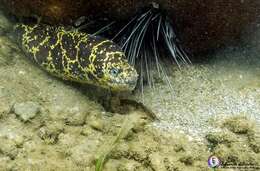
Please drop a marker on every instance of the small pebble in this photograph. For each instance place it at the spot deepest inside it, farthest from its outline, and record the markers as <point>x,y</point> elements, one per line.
<point>50,132</point>
<point>27,110</point>
<point>97,124</point>
<point>18,140</point>
<point>8,148</point>
<point>5,108</point>
<point>82,154</point>
<point>3,92</point>
<point>76,116</point>
<point>157,162</point>
<point>86,131</point>
<point>129,165</point>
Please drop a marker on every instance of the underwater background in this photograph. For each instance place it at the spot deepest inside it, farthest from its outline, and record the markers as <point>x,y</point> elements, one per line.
<point>212,107</point>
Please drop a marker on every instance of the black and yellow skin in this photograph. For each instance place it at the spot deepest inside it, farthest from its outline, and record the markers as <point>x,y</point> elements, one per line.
<point>77,56</point>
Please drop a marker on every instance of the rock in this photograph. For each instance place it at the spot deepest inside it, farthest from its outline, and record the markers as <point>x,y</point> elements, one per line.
<point>18,140</point>
<point>187,159</point>
<point>239,125</point>
<point>4,109</point>
<point>255,145</point>
<point>6,50</point>
<point>26,110</point>
<point>224,137</point>
<point>237,154</point>
<point>96,123</point>
<point>172,164</point>
<point>3,92</point>
<point>112,164</point>
<point>67,140</point>
<point>76,116</point>
<point>50,133</point>
<point>30,146</point>
<point>129,165</point>
<point>5,106</point>
<point>8,148</point>
<point>4,160</point>
<point>157,162</point>
<point>82,154</point>
<point>86,131</point>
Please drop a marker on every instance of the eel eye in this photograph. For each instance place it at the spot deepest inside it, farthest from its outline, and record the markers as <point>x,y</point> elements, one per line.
<point>114,72</point>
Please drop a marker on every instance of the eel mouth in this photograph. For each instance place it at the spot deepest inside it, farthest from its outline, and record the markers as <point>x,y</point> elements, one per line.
<point>125,85</point>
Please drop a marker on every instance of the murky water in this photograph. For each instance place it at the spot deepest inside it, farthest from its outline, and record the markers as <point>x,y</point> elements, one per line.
<point>49,124</point>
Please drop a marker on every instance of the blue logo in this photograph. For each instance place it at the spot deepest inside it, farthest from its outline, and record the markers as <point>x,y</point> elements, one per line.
<point>214,161</point>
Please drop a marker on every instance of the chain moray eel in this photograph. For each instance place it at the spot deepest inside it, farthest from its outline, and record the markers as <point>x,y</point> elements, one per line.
<point>76,56</point>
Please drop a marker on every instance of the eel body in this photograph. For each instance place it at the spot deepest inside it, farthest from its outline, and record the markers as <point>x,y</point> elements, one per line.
<point>77,56</point>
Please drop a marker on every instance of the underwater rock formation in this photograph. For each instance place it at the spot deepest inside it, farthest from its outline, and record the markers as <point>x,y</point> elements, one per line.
<point>202,25</point>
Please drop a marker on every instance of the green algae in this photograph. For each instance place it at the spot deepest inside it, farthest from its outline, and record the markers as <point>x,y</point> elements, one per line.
<point>239,125</point>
